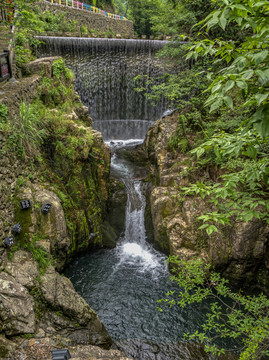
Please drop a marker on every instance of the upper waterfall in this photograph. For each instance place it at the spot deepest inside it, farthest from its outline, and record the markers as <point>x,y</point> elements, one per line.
<point>104,71</point>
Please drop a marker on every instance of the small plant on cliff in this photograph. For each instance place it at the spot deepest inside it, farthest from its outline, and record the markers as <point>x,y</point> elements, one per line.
<point>3,113</point>
<point>27,132</point>
<point>240,318</point>
<point>58,89</point>
<point>31,130</point>
<point>59,69</point>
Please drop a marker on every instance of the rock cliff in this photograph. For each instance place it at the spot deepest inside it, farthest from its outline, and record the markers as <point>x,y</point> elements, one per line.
<point>239,252</point>
<point>55,192</point>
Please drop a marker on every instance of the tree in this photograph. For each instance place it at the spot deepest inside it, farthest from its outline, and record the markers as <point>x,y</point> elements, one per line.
<point>240,81</point>
<point>241,318</point>
<point>178,17</point>
<point>244,73</point>
<point>141,13</point>
<point>247,67</point>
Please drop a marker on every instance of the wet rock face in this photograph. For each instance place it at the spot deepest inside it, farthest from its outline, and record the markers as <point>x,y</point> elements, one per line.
<point>16,307</point>
<point>23,268</point>
<point>117,207</point>
<point>69,315</point>
<point>48,308</point>
<point>51,226</point>
<point>239,252</point>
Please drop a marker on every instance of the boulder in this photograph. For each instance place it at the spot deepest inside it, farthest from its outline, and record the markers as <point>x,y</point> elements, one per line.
<point>39,66</point>
<point>23,268</point>
<point>16,307</point>
<point>71,316</point>
<point>51,226</point>
<point>239,252</point>
<point>7,347</point>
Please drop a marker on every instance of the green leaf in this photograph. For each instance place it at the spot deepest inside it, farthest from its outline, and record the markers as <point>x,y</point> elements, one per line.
<point>263,75</point>
<point>229,85</point>
<point>211,229</point>
<point>200,152</point>
<point>260,98</point>
<point>261,121</point>
<point>246,75</point>
<point>228,101</point>
<point>247,216</point>
<point>203,226</point>
<point>212,23</point>
<point>223,22</point>
<point>260,57</point>
<point>216,105</point>
<point>260,4</point>
<point>242,84</point>
<point>251,152</point>
<point>216,88</point>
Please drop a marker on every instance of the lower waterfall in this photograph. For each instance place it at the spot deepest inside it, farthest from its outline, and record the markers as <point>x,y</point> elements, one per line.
<point>123,284</point>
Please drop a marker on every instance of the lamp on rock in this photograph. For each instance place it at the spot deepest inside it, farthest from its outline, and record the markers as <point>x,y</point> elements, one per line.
<point>45,208</point>
<point>60,354</point>
<point>16,229</point>
<point>25,204</point>
<point>9,241</point>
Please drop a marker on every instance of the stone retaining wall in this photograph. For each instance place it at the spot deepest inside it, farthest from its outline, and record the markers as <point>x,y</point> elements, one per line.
<point>92,20</point>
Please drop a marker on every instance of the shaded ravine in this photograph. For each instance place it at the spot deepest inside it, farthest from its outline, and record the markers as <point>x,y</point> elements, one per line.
<point>123,285</point>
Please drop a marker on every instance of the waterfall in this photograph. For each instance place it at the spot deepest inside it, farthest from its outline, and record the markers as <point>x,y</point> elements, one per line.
<point>104,72</point>
<point>123,284</point>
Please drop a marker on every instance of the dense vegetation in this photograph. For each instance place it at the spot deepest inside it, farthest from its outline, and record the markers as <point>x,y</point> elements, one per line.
<point>222,99</point>
<point>225,65</point>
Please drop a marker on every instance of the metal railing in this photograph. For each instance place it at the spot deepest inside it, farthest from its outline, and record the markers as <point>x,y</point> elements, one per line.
<point>79,5</point>
<point>5,66</point>
<point>6,11</point>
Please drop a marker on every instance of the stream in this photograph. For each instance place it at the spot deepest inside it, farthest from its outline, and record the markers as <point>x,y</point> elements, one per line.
<point>123,284</point>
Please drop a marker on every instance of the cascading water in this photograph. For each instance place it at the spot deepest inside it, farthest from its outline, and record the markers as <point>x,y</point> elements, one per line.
<point>123,284</point>
<point>104,71</point>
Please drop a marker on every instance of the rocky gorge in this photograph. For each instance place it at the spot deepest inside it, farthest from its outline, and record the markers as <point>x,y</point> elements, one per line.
<point>239,252</point>
<point>39,308</point>
<point>70,172</point>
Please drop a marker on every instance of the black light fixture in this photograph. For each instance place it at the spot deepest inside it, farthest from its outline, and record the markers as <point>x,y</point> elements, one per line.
<point>25,204</point>
<point>60,354</point>
<point>45,208</point>
<point>9,241</point>
<point>16,229</point>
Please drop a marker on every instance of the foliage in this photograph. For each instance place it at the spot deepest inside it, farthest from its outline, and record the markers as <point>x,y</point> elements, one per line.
<point>58,89</point>
<point>241,194</point>
<point>246,70</point>
<point>233,316</point>
<point>59,69</point>
<point>27,22</point>
<point>141,13</point>
<point>26,133</point>
<point>178,17</point>
<point>56,22</point>
<point>121,7</point>
<point>39,254</point>
<point>3,113</point>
